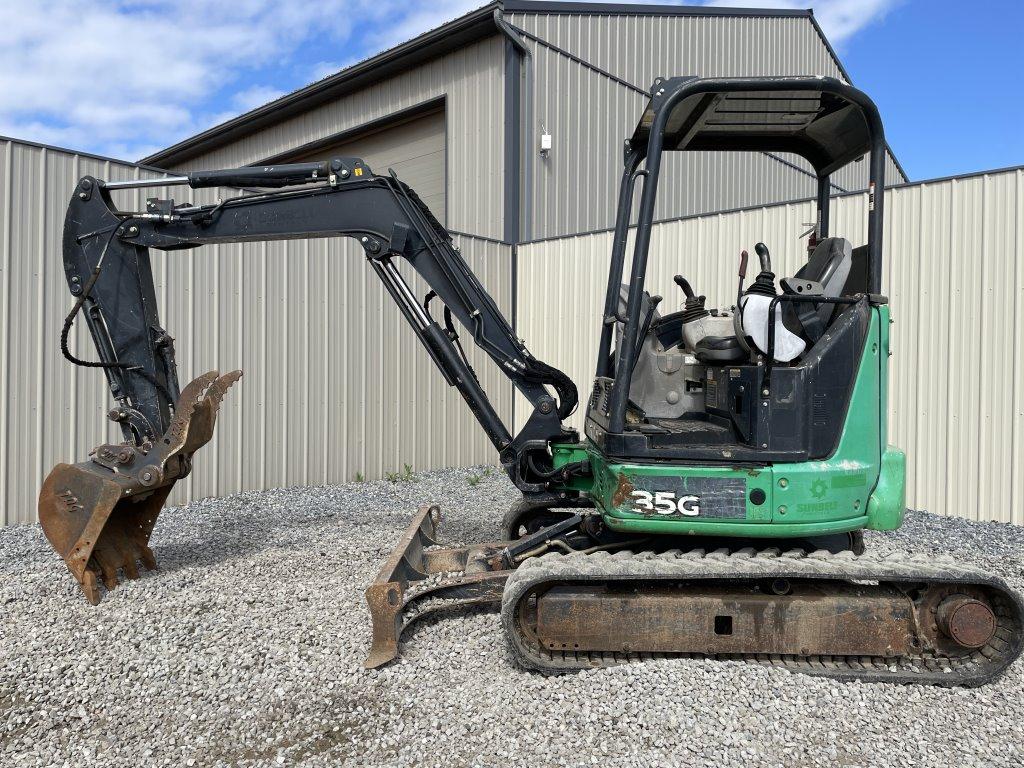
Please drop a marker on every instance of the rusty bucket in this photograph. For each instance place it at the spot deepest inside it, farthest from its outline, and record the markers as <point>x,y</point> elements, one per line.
<point>100,513</point>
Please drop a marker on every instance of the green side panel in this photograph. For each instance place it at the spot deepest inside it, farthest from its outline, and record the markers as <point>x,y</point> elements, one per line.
<point>569,453</point>
<point>888,501</point>
<point>859,486</point>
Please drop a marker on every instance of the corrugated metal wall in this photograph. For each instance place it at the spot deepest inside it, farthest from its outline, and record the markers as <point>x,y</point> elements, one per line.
<point>335,382</point>
<point>955,276</point>
<point>589,115</point>
<point>471,82</point>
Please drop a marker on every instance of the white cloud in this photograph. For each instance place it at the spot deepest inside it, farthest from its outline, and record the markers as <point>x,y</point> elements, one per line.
<point>405,22</point>
<point>123,77</point>
<point>839,19</point>
<point>255,96</point>
<point>323,69</point>
<point>128,75</point>
<point>420,17</point>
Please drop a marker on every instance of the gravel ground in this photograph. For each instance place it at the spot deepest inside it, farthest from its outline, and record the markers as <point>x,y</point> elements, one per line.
<point>246,649</point>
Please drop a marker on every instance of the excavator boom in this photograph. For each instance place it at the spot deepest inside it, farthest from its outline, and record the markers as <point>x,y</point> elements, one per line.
<point>100,513</point>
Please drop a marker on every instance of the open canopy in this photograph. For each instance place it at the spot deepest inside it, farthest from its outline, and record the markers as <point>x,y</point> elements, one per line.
<point>819,118</point>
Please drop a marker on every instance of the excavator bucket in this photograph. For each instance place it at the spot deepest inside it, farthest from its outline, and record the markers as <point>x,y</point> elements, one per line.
<point>100,513</point>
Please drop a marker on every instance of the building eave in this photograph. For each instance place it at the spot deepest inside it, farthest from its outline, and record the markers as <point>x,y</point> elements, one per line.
<point>621,9</point>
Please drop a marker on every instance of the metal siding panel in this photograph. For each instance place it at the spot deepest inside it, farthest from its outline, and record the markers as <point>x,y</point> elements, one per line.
<point>1015,225</point>
<point>28,165</point>
<point>414,149</point>
<point>1001,207</point>
<point>7,149</point>
<point>471,81</point>
<point>36,390</point>
<point>954,250</point>
<point>335,382</point>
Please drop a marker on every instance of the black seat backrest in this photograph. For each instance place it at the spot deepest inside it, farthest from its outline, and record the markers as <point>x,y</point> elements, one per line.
<point>859,279</point>
<point>829,265</point>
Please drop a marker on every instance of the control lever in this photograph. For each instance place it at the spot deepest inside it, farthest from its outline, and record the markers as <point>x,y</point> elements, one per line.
<point>760,316</point>
<point>762,253</point>
<point>684,285</point>
<point>744,258</point>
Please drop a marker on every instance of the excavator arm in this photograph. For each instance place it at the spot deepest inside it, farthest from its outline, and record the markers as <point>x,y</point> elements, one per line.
<point>99,513</point>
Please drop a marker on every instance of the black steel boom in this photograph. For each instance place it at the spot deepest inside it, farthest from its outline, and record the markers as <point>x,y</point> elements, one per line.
<point>107,264</point>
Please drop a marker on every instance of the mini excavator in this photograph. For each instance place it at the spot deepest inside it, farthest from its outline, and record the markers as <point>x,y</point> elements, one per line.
<point>732,458</point>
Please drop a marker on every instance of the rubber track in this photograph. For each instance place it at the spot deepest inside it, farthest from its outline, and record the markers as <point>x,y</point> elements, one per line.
<point>974,668</point>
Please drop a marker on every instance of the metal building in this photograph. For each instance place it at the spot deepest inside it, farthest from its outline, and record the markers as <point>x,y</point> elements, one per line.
<point>460,113</point>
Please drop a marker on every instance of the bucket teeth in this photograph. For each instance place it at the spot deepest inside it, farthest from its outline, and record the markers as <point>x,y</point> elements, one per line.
<point>196,414</point>
<point>90,588</point>
<point>192,396</point>
<point>204,414</point>
<point>147,557</point>
<point>99,514</point>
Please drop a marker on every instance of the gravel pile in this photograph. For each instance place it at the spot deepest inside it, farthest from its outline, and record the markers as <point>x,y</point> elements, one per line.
<point>246,649</point>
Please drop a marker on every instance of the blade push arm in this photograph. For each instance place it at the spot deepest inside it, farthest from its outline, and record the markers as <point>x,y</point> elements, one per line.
<point>342,198</point>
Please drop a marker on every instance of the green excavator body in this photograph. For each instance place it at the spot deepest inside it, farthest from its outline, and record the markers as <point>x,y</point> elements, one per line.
<point>861,485</point>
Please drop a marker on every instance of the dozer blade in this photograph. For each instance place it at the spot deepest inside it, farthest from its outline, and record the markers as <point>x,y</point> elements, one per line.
<point>100,513</point>
<point>419,579</point>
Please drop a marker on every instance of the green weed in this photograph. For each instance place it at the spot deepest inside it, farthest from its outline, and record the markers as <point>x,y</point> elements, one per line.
<point>405,476</point>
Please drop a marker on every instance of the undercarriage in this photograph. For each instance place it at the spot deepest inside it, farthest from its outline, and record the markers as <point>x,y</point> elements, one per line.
<point>573,599</point>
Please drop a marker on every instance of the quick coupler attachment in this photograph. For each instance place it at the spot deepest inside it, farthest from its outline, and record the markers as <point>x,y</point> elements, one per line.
<point>99,514</point>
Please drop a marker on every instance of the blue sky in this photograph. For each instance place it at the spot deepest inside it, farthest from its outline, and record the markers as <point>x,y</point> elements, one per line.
<point>127,77</point>
<point>948,76</point>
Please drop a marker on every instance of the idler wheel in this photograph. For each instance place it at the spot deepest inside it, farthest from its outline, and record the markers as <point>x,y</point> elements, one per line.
<point>965,620</point>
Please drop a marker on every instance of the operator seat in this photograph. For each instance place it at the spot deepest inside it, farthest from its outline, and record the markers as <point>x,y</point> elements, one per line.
<point>824,274</point>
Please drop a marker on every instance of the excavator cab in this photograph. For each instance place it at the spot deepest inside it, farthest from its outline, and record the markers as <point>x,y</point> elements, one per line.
<point>780,385</point>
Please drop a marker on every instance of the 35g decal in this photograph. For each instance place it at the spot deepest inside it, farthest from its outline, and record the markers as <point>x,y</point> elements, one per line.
<point>666,503</point>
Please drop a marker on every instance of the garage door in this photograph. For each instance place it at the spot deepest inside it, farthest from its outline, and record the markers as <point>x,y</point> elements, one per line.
<point>414,148</point>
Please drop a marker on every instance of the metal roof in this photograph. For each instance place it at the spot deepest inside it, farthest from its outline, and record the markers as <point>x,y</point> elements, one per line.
<point>823,120</point>
<point>453,35</point>
<point>543,6</point>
